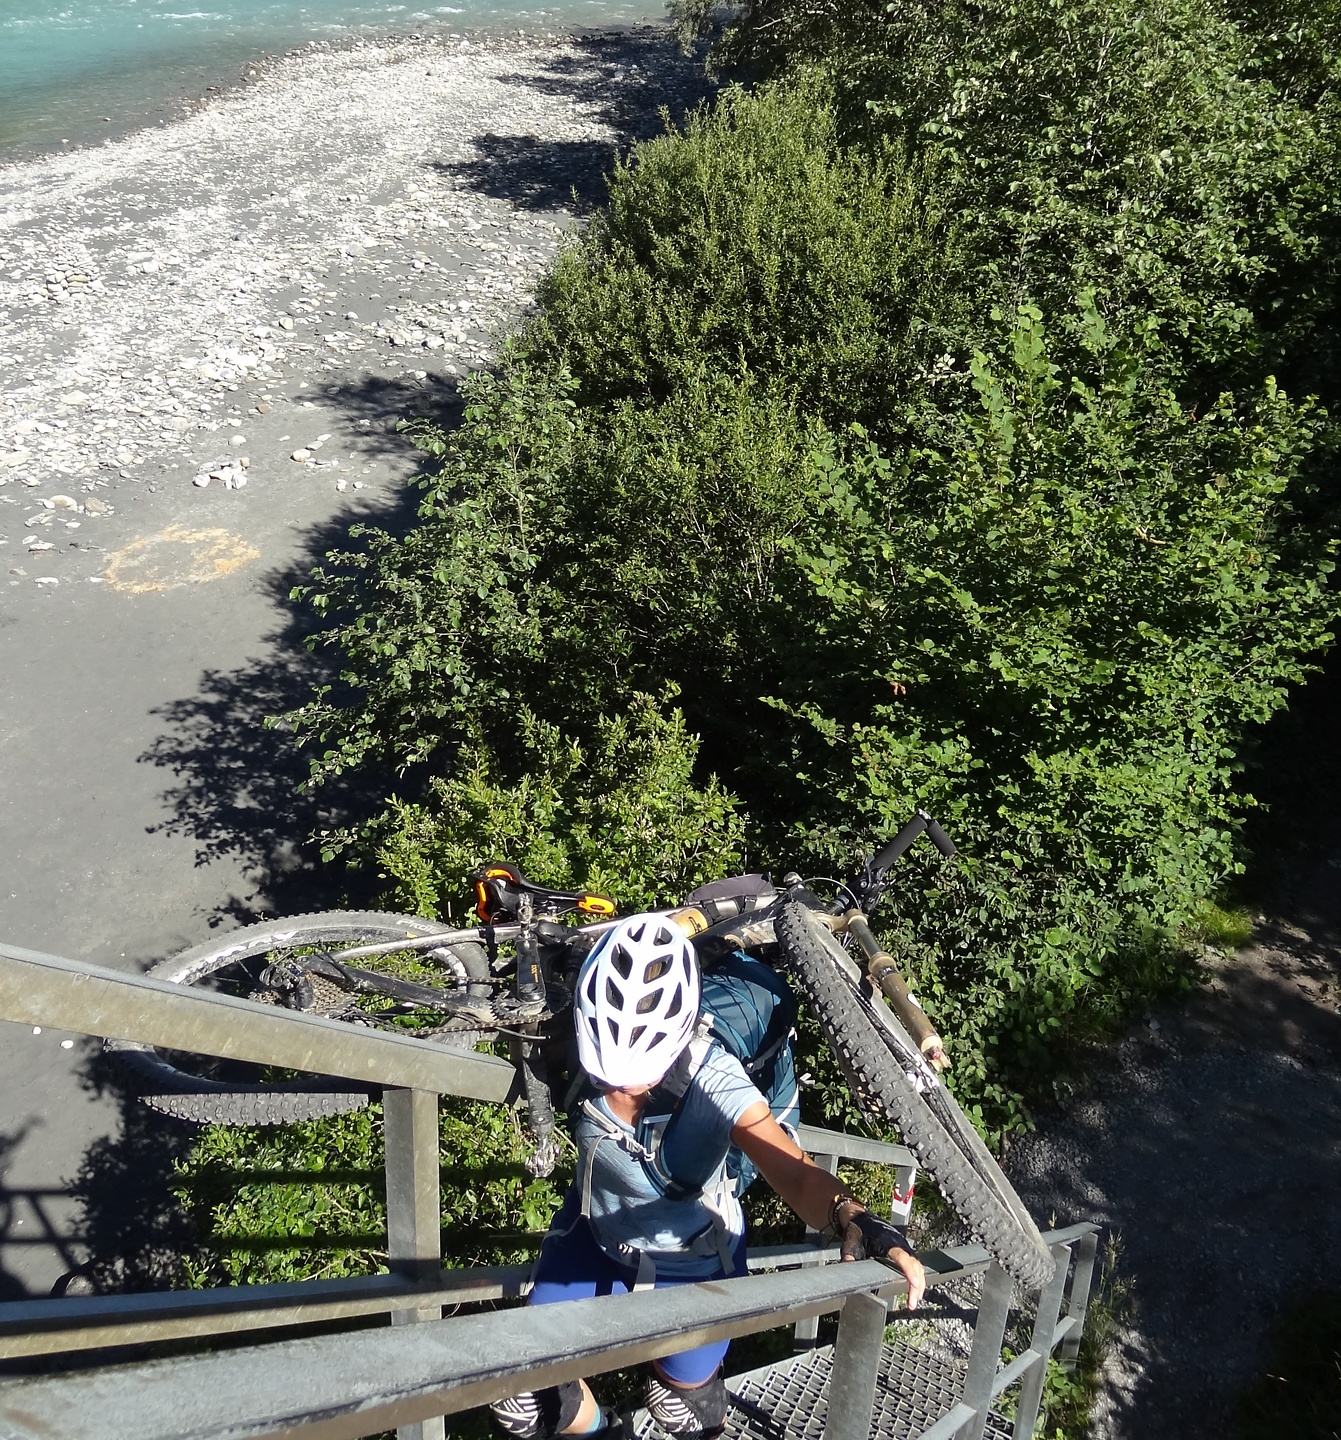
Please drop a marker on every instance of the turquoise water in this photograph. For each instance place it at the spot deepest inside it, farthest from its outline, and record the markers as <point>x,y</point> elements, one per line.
<point>80,70</point>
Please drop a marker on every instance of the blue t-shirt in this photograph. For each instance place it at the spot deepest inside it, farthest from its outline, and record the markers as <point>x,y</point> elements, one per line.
<point>628,1199</point>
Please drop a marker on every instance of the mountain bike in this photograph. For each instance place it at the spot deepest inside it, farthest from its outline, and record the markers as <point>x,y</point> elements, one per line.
<point>508,982</point>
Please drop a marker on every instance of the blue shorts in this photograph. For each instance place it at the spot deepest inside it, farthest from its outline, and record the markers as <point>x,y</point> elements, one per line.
<point>573,1267</point>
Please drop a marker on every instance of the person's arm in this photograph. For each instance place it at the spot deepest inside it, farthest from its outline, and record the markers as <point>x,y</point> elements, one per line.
<point>817,1197</point>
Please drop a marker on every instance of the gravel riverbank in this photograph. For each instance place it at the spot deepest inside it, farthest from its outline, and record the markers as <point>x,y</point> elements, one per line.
<point>289,271</point>
<point>381,210</point>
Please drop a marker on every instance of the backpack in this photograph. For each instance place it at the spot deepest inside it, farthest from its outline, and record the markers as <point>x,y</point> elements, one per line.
<point>750,1010</point>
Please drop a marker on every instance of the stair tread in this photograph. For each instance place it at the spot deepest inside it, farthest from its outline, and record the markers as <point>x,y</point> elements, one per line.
<point>788,1400</point>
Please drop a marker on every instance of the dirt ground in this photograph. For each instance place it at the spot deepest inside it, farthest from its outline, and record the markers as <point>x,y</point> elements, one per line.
<point>1212,1147</point>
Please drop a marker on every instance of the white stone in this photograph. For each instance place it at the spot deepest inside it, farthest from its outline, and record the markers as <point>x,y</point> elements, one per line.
<point>61,502</point>
<point>74,397</point>
<point>201,481</point>
<point>302,453</point>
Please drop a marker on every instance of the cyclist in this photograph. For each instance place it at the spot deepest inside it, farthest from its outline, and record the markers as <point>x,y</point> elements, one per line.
<point>652,1203</point>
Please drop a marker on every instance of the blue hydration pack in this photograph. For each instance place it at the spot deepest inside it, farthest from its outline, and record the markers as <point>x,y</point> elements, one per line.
<point>751,1011</point>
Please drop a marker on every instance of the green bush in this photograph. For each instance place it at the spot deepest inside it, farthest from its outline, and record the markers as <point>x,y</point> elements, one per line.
<point>904,502</point>
<point>624,819</point>
<point>1173,154</point>
<point>308,1201</point>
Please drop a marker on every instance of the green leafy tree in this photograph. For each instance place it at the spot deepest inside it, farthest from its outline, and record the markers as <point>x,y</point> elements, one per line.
<point>927,460</point>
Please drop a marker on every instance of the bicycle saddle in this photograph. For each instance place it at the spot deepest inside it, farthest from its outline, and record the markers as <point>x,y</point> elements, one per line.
<point>500,886</point>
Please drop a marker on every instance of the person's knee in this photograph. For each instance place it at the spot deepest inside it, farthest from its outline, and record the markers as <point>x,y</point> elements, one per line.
<point>539,1414</point>
<point>686,1412</point>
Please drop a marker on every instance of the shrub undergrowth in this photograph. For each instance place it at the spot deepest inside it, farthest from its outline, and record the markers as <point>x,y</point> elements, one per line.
<point>911,462</point>
<point>942,421</point>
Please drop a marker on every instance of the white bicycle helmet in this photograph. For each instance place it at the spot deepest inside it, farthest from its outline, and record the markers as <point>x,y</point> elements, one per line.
<point>637,1001</point>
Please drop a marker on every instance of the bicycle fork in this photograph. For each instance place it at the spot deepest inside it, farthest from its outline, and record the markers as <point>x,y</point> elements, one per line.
<point>884,975</point>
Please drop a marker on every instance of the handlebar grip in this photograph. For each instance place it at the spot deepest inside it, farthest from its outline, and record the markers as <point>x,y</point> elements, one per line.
<point>886,857</point>
<point>940,839</point>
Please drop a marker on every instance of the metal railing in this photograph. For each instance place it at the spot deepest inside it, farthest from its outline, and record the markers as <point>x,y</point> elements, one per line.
<point>346,1385</point>
<point>358,1382</point>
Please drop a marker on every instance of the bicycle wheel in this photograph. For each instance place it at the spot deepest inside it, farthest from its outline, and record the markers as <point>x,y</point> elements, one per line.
<point>932,1126</point>
<point>223,1092</point>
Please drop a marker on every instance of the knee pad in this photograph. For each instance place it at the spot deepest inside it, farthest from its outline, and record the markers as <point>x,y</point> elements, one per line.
<point>539,1414</point>
<point>695,1414</point>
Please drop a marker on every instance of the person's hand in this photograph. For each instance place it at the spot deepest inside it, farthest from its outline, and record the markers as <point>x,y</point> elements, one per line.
<point>913,1272</point>
<point>861,1233</point>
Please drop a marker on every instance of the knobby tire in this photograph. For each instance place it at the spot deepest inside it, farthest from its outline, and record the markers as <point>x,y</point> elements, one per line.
<point>933,1127</point>
<point>173,1091</point>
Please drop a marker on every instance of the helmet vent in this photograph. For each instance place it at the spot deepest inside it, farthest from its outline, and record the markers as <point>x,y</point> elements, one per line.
<point>622,961</point>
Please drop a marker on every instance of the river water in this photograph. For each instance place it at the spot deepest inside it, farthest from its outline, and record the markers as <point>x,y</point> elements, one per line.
<point>74,71</point>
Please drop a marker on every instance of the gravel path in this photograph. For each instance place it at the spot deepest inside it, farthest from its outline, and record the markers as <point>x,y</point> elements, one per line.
<point>1212,1145</point>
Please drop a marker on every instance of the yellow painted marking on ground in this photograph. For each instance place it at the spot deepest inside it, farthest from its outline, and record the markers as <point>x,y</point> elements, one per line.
<point>175,557</point>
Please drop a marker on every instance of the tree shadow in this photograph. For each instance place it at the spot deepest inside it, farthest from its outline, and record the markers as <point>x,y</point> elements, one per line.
<point>238,780</point>
<point>538,174</point>
<point>1292,766</point>
<point>632,82</point>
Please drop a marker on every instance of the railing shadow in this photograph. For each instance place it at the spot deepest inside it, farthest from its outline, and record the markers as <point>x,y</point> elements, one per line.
<point>12,1288</point>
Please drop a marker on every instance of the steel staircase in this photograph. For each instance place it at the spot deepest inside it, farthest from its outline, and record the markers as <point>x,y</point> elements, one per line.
<point>420,1368</point>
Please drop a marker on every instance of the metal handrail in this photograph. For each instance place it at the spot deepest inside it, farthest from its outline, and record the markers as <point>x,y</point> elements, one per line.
<point>29,1328</point>
<point>39,989</point>
<point>350,1384</point>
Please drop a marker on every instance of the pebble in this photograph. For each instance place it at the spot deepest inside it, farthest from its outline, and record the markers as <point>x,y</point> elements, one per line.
<point>302,453</point>
<point>46,579</point>
<point>94,506</point>
<point>62,502</point>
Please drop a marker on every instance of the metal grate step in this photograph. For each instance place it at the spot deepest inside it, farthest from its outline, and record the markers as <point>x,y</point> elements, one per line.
<point>790,1399</point>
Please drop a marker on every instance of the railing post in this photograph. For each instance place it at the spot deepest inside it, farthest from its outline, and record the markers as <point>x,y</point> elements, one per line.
<point>1045,1324</point>
<point>988,1333</point>
<point>905,1177</point>
<point>807,1331</point>
<point>856,1368</point>
<point>1079,1299</point>
<point>413,1210</point>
